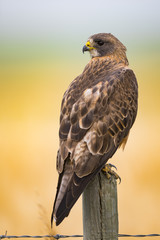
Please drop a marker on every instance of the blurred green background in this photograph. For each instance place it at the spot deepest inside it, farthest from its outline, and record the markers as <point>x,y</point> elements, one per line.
<point>40,54</point>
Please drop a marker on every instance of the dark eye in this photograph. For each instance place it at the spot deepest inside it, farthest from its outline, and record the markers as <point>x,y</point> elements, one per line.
<point>100,42</point>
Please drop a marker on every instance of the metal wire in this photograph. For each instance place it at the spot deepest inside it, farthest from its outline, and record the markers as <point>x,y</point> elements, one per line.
<point>140,235</point>
<point>58,236</point>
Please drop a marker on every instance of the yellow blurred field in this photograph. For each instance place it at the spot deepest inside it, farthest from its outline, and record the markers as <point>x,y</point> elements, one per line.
<point>30,98</point>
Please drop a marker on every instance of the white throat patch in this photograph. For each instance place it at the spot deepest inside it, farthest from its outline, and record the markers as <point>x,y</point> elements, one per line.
<point>94,53</point>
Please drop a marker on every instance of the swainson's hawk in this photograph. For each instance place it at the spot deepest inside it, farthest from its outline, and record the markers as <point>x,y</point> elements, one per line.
<point>97,112</point>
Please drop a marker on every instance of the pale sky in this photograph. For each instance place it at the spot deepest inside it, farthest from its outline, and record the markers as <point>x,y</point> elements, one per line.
<point>64,19</point>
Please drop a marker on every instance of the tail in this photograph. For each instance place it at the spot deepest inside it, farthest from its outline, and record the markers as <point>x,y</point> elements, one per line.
<point>70,187</point>
<point>64,201</point>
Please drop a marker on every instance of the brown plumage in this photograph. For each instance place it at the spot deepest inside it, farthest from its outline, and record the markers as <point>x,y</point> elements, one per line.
<point>98,109</point>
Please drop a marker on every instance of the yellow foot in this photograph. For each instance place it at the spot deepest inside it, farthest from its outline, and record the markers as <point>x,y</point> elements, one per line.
<point>110,173</point>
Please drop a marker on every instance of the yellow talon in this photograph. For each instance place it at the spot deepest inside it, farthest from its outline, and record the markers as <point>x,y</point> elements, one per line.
<point>110,173</point>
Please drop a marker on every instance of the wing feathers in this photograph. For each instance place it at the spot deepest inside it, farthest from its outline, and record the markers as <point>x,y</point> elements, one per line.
<point>87,121</point>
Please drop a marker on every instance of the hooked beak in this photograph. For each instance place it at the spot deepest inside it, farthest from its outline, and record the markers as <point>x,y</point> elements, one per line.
<point>85,48</point>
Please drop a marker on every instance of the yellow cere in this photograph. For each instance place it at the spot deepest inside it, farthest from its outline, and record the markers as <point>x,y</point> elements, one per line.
<point>88,44</point>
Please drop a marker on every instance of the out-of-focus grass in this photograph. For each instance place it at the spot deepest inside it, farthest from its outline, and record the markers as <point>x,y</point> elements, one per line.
<point>31,89</point>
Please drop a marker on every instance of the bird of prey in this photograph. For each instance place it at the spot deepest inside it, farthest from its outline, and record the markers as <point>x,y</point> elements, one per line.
<point>97,112</point>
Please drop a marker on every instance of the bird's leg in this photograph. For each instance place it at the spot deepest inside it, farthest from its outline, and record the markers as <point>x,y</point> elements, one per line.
<point>107,170</point>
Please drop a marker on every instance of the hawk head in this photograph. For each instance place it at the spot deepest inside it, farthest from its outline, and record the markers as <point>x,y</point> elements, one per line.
<point>103,44</point>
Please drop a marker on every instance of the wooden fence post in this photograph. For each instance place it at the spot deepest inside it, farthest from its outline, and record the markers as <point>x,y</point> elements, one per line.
<point>100,213</point>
